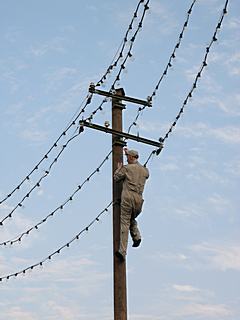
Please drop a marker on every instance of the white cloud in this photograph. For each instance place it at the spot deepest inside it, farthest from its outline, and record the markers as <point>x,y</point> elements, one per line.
<point>233,167</point>
<point>147,317</point>
<point>34,135</point>
<point>206,310</point>
<point>12,35</point>
<point>18,313</point>
<point>173,257</point>
<point>57,77</point>
<point>220,257</point>
<point>72,281</point>
<point>169,167</point>
<point>66,312</point>
<point>185,288</point>
<point>233,23</point>
<point>10,230</point>
<point>56,45</point>
<point>208,83</point>
<point>188,211</point>
<point>229,105</point>
<point>226,134</point>
<point>219,201</point>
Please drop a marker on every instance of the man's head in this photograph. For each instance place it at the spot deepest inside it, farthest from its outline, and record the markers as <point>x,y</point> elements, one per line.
<point>132,156</point>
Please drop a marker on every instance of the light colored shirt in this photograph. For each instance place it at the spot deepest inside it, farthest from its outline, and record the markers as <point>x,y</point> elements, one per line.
<point>133,176</point>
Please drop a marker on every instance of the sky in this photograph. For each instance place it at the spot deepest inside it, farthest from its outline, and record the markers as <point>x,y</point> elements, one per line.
<point>188,264</point>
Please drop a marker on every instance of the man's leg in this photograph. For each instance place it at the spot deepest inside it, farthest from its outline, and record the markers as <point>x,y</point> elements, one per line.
<point>135,233</point>
<point>124,228</point>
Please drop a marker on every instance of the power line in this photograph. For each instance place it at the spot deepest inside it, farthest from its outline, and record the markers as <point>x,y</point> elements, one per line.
<point>168,65</point>
<point>122,46</point>
<point>129,53</point>
<point>85,102</point>
<point>38,183</point>
<point>58,251</point>
<point>146,7</point>
<point>70,198</point>
<point>123,65</point>
<point>194,86</point>
<point>173,54</point>
<point>204,64</point>
<point>55,144</point>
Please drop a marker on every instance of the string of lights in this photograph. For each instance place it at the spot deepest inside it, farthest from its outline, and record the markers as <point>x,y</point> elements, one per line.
<point>123,65</point>
<point>46,173</point>
<point>18,238</point>
<point>38,183</point>
<point>194,86</point>
<point>173,54</point>
<point>189,95</point>
<point>129,53</point>
<point>59,250</point>
<point>169,65</point>
<point>86,102</point>
<point>121,49</point>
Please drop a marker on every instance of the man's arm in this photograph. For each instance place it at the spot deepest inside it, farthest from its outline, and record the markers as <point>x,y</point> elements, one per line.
<point>147,171</point>
<point>120,173</point>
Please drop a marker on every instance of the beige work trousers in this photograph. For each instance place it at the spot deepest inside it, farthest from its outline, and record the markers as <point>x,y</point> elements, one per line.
<point>131,206</point>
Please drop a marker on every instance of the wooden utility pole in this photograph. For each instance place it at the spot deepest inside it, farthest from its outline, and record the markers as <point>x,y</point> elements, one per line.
<point>120,286</point>
<point>119,267</point>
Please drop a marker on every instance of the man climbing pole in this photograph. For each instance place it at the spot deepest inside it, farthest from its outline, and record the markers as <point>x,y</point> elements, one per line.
<point>133,175</point>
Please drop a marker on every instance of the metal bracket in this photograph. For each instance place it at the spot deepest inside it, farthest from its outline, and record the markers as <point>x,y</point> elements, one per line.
<point>113,95</point>
<point>121,134</point>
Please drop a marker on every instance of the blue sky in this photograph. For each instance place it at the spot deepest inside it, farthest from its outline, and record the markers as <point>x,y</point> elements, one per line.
<point>189,262</point>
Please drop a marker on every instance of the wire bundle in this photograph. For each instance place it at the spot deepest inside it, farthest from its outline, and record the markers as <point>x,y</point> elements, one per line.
<point>189,95</point>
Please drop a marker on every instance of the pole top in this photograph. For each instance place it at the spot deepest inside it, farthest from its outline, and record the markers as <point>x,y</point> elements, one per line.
<point>120,95</point>
<point>120,91</point>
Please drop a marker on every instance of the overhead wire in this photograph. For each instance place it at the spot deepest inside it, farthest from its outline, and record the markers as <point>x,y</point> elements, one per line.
<point>129,53</point>
<point>18,238</point>
<point>204,64</point>
<point>168,65</point>
<point>85,102</point>
<point>55,145</point>
<point>121,48</point>
<point>88,101</point>
<point>58,251</point>
<point>38,183</point>
<point>194,86</point>
<point>173,54</point>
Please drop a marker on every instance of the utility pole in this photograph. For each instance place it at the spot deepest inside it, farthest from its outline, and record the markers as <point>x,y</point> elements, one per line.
<point>120,286</point>
<point>119,267</point>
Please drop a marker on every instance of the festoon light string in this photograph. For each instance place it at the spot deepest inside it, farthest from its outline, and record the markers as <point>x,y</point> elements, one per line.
<point>129,53</point>
<point>88,101</point>
<point>168,65</point>
<point>85,102</point>
<point>123,65</point>
<point>58,251</point>
<point>115,62</point>
<point>70,198</point>
<point>204,64</point>
<point>194,86</point>
<point>38,183</point>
